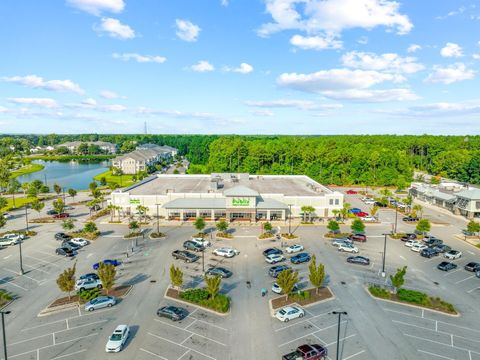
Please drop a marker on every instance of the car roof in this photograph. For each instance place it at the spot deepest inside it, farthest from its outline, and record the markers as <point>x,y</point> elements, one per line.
<point>120,328</point>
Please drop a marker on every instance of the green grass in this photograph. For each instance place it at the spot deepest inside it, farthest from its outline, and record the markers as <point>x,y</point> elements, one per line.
<point>124,180</point>
<point>27,169</point>
<point>220,303</point>
<point>19,202</point>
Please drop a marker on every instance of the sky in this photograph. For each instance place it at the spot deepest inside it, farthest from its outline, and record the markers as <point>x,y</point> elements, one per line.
<point>240,66</point>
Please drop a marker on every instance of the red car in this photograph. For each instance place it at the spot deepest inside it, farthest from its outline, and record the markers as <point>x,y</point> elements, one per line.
<point>61,216</point>
<point>351,192</point>
<point>358,237</point>
<point>361,214</point>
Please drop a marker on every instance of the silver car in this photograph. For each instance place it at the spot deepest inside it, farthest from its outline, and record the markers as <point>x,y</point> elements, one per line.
<point>100,302</point>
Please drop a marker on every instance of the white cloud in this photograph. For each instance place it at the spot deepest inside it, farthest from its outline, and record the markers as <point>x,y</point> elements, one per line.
<point>202,66</point>
<point>264,112</point>
<point>37,82</point>
<point>476,56</point>
<point>42,102</point>
<point>140,58</point>
<point>244,68</point>
<point>112,108</point>
<point>282,103</point>
<point>363,40</point>
<point>89,102</point>
<point>389,62</point>
<point>224,2</point>
<point>333,16</point>
<point>107,94</point>
<point>115,29</point>
<point>450,74</point>
<point>178,114</point>
<point>335,79</point>
<point>451,50</point>
<point>413,48</point>
<point>367,95</point>
<point>96,7</point>
<point>459,11</point>
<point>440,109</point>
<point>315,42</point>
<point>187,31</point>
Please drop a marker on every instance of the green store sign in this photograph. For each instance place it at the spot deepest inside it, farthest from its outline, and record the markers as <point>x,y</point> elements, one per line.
<point>134,201</point>
<point>240,202</point>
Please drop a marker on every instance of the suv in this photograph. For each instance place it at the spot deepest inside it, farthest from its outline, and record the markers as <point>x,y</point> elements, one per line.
<point>300,258</point>
<point>190,245</point>
<point>185,255</point>
<point>410,218</point>
<point>341,241</point>
<point>358,237</point>
<point>87,284</point>
<point>64,251</point>
<point>62,236</point>
<point>442,248</point>
<point>277,269</point>
<point>227,252</point>
<point>307,352</point>
<point>201,241</point>
<point>4,241</point>
<point>428,253</point>
<point>379,204</point>
<point>433,242</point>
<point>407,237</point>
<point>472,266</point>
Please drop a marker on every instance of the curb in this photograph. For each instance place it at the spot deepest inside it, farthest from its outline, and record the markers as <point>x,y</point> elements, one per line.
<point>196,305</point>
<point>272,311</point>
<point>58,309</point>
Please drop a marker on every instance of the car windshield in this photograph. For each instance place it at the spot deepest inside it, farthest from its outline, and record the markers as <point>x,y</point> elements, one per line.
<point>116,337</point>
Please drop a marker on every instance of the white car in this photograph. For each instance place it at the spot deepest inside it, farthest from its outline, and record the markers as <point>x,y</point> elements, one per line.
<point>453,254</point>
<point>278,290</point>
<point>294,248</point>
<point>369,218</point>
<point>7,216</point>
<point>410,243</point>
<point>117,340</point>
<point>418,247</point>
<point>7,241</point>
<point>227,252</point>
<point>14,236</point>
<point>87,284</point>
<point>79,241</point>
<point>274,258</point>
<point>201,241</point>
<point>341,241</point>
<point>369,202</point>
<point>348,248</point>
<point>289,313</point>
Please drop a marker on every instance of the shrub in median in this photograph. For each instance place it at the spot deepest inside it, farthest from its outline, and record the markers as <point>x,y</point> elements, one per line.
<point>220,302</point>
<point>88,295</point>
<point>156,235</point>
<point>413,296</point>
<point>379,292</point>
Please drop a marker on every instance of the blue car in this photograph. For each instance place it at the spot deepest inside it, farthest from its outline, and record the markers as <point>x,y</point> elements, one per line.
<point>108,262</point>
<point>277,269</point>
<point>355,210</point>
<point>300,258</point>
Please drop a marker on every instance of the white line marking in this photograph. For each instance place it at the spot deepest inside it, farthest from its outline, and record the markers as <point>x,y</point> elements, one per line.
<point>440,343</point>
<point>188,337</point>
<point>43,261</point>
<point>191,332</point>
<point>6,257</point>
<point>460,281</point>
<point>152,353</point>
<point>17,273</point>
<point>186,347</point>
<point>22,341</point>
<point>351,356</point>
<point>36,327</point>
<point>74,353</point>
<point>470,252</point>
<point>27,352</point>
<point>469,291</point>
<point>38,269</point>
<point>185,353</point>
<point>423,313</point>
<point>345,338</point>
<point>301,322</point>
<point>451,272</point>
<point>402,257</point>
<point>13,284</point>
<point>417,326</point>
<point>440,356</point>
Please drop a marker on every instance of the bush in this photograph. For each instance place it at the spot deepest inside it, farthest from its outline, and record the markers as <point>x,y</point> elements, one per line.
<point>133,235</point>
<point>265,236</point>
<point>156,235</point>
<point>289,236</point>
<point>379,292</point>
<point>413,296</point>
<point>220,303</point>
<point>301,295</point>
<point>88,295</point>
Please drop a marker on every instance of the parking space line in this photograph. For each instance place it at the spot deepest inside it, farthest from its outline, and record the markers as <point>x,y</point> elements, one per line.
<point>451,272</point>
<point>206,322</point>
<point>342,339</point>
<point>79,326</point>
<point>440,343</point>
<point>152,353</point>
<point>193,322</point>
<point>351,356</point>
<point>301,322</point>
<point>188,337</point>
<point>419,327</point>
<point>43,261</point>
<point>34,338</point>
<point>26,276</point>
<point>191,332</point>
<point>38,326</point>
<point>26,352</point>
<point>469,291</point>
<point>185,353</point>
<point>460,281</point>
<point>2,281</point>
<point>74,353</point>
<point>433,354</point>
<point>186,347</point>
<point>34,268</point>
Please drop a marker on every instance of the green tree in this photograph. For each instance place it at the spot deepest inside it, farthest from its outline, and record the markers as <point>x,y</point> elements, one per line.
<point>3,202</point>
<point>344,211</point>
<point>68,224</point>
<point>398,279</point>
<point>417,210</point>
<point>473,226</point>
<point>287,280</point>
<point>336,212</point>
<point>386,193</point>
<point>92,186</point>
<point>37,205</point>
<point>316,273</point>
<point>333,226</point>
<point>176,276</point>
<point>59,206</point>
<point>57,188</point>
<point>72,193</point>
<point>90,227</point>
<point>142,211</point>
<point>5,296</point>
<point>222,226</point>
<point>408,201</point>
<point>357,226</point>
<point>374,210</point>
<point>199,224</point>
<point>13,187</point>
<point>423,226</point>
<point>307,212</point>
<point>66,280</point>
<point>107,273</point>
<point>3,221</point>
<point>267,227</point>
<point>133,225</point>
<point>213,285</point>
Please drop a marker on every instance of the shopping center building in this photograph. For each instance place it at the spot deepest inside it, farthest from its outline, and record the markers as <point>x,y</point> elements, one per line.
<point>234,197</point>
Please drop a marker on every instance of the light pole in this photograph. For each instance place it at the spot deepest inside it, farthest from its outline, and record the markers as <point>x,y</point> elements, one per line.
<point>158,221</point>
<point>384,255</point>
<point>203,260</point>
<point>3,332</point>
<point>289,219</point>
<point>396,215</point>
<point>339,313</point>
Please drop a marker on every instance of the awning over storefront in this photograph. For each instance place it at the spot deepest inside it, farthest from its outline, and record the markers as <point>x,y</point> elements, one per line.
<point>196,203</point>
<point>271,204</point>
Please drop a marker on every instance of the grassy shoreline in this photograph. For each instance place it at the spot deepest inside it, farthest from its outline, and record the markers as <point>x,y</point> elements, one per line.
<point>122,181</point>
<point>27,169</point>
<point>71,157</point>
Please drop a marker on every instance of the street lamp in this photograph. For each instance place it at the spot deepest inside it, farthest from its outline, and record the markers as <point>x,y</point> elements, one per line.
<point>3,332</point>
<point>290,219</point>
<point>158,221</point>
<point>384,254</point>
<point>339,313</point>
<point>396,215</point>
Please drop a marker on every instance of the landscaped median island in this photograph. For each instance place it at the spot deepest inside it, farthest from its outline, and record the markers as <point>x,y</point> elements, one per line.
<point>5,298</point>
<point>201,297</point>
<point>157,235</point>
<point>303,297</point>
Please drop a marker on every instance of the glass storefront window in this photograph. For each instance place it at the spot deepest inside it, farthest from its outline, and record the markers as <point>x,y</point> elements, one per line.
<point>276,215</point>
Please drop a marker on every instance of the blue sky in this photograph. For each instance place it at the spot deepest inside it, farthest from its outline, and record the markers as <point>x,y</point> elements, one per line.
<point>240,66</point>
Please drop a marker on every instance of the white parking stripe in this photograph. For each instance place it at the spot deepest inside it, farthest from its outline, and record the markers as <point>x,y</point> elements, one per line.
<point>460,281</point>
<point>74,353</point>
<point>43,261</point>
<point>470,291</point>
<point>12,283</point>
<point>17,273</point>
<point>186,347</point>
<point>158,356</point>
<point>451,272</point>
<point>191,332</point>
<point>37,269</point>
<point>430,353</point>
<point>351,356</point>
<point>342,339</point>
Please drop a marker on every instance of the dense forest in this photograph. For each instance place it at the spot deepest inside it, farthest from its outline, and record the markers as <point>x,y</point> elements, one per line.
<point>339,159</point>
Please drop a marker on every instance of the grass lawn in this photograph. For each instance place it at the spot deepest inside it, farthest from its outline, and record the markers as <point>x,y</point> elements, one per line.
<point>31,168</point>
<point>124,180</point>
<point>19,202</point>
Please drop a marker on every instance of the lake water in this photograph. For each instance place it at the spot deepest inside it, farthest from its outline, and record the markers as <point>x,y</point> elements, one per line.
<point>68,174</point>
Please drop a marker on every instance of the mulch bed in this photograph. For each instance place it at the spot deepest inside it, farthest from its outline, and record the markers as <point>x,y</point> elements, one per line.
<point>119,291</point>
<point>173,293</point>
<point>323,294</point>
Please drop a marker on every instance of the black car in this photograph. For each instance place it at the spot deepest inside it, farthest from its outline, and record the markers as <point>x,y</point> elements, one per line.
<point>70,245</point>
<point>224,273</point>
<point>472,266</point>
<point>187,256</point>
<point>272,251</point>
<point>362,260</point>
<point>379,204</point>
<point>62,236</point>
<point>410,218</point>
<point>93,276</point>
<point>442,248</point>
<point>52,212</point>
<point>433,242</point>
<point>64,251</point>
<point>173,313</point>
<point>446,266</point>
<point>190,245</point>
<point>408,236</point>
<point>277,269</point>
<point>428,253</point>
<point>300,258</point>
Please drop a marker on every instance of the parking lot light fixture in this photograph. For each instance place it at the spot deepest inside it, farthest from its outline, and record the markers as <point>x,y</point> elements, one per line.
<point>290,219</point>
<point>158,221</point>
<point>3,332</point>
<point>339,313</point>
<point>384,254</point>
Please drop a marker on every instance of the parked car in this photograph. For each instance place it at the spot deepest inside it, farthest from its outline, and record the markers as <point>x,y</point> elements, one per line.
<point>89,276</point>
<point>453,254</point>
<point>7,216</point>
<point>379,204</point>
<point>408,236</point>
<point>87,284</point>
<point>410,243</point>
<point>468,233</point>
<point>224,273</point>
<point>354,210</point>
<point>340,241</point>
<point>446,266</point>
<point>369,218</point>
<point>173,313</point>
<point>190,245</point>
<point>52,212</point>
<point>201,241</point>
<point>348,248</point>
<point>14,236</point>
<point>418,247</point>
<point>227,252</point>
<point>272,251</point>
<point>277,269</point>
<point>300,258</point>
<point>8,241</point>
<point>278,290</point>
<point>307,352</point>
<point>62,236</point>
<point>61,216</point>
<point>362,260</point>
<point>288,313</point>
<point>79,241</point>
<point>70,245</point>
<point>410,219</point>
<point>68,207</point>
<point>361,214</point>
<point>294,248</point>
<point>428,253</point>
<point>351,192</point>
<point>65,251</point>
<point>117,340</point>
<point>100,302</point>
<point>472,266</point>
<point>442,248</point>
<point>113,262</point>
<point>477,274</point>
<point>185,255</point>
<point>433,242</point>
<point>274,258</point>
<point>358,237</point>
<point>369,201</point>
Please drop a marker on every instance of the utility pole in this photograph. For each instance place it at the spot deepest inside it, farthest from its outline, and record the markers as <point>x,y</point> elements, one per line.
<point>63,189</point>
<point>4,335</point>
<point>290,219</point>
<point>203,260</point>
<point>396,215</point>
<point>26,216</point>
<point>339,313</point>
<point>158,221</point>
<point>384,255</point>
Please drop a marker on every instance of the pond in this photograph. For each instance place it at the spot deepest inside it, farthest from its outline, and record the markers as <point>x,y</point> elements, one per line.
<point>68,174</point>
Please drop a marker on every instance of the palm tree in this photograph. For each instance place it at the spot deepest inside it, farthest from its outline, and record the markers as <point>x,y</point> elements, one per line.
<point>344,210</point>
<point>417,209</point>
